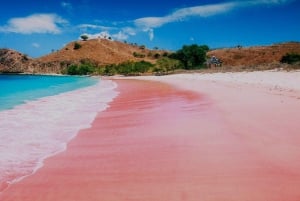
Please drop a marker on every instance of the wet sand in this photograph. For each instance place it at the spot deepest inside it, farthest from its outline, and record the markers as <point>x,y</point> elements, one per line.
<point>158,142</point>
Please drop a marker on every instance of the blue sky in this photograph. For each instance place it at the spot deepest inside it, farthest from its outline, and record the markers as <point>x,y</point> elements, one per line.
<point>38,27</point>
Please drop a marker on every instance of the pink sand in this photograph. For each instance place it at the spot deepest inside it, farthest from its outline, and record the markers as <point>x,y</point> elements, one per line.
<point>157,142</point>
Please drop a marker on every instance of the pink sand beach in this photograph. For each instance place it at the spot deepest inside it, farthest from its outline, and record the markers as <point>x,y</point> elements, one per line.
<point>215,137</point>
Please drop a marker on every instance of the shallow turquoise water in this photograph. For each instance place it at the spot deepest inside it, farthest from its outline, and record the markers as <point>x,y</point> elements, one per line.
<point>56,109</point>
<point>17,89</point>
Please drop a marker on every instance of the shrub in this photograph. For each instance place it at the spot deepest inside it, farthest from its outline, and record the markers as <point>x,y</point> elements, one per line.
<point>72,69</point>
<point>142,66</point>
<point>138,55</point>
<point>108,70</point>
<point>156,55</point>
<point>165,54</point>
<point>166,64</point>
<point>77,46</point>
<point>290,58</point>
<point>126,68</point>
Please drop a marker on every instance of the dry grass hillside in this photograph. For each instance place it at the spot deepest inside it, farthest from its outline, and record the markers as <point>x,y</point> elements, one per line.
<point>255,57</point>
<point>102,51</point>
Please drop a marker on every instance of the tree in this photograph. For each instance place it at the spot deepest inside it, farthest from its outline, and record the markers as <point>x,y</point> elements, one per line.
<point>84,37</point>
<point>72,69</point>
<point>81,69</point>
<point>192,56</point>
<point>156,55</point>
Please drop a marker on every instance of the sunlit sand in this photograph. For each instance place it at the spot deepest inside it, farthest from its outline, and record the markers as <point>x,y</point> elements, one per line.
<point>208,137</point>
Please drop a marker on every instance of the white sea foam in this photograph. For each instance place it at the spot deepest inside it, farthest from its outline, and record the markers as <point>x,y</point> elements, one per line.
<point>33,131</point>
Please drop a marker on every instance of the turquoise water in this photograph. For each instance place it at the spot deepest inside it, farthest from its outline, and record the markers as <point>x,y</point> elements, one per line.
<point>56,109</point>
<point>18,89</point>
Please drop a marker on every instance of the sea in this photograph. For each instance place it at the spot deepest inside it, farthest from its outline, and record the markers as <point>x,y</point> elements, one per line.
<point>40,114</point>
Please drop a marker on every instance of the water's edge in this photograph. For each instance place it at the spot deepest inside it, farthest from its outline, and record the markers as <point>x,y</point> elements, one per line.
<point>50,122</point>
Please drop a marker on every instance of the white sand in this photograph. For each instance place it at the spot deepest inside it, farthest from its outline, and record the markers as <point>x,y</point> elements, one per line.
<point>273,80</point>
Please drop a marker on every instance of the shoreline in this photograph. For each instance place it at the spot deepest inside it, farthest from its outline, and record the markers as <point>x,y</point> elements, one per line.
<point>45,118</point>
<point>180,137</point>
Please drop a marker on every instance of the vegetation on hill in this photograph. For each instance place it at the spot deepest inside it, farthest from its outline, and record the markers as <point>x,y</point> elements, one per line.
<point>108,57</point>
<point>189,57</point>
<point>126,68</point>
<point>85,68</point>
<point>102,52</point>
<point>84,37</point>
<point>257,57</point>
<point>291,58</point>
<point>77,46</point>
<point>166,65</point>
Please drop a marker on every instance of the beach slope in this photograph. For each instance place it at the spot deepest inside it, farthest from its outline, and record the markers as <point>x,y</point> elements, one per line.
<point>181,137</point>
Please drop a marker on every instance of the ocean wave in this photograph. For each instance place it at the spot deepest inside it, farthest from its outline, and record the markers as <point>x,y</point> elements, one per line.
<point>41,128</point>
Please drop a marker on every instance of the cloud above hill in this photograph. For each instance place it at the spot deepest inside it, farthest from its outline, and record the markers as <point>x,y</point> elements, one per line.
<point>150,23</point>
<point>36,23</point>
<point>147,24</point>
<point>200,11</point>
<point>182,14</point>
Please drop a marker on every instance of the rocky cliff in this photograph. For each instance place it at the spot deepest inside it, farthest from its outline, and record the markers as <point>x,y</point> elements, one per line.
<point>12,61</point>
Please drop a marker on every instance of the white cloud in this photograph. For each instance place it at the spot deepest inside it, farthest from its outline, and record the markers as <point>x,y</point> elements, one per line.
<point>150,32</point>
<point>125,33</point>
<point>113,32</point>
<point>92,26</point>
<point>36,23</point>
<point>120,36</point>
<point>151,21</point>
<point>148,24</point>
<point>129,31</point>
<point>182,14</point>
<point>36,45</point>
<point>103,34</point>
<point>201,11</point>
